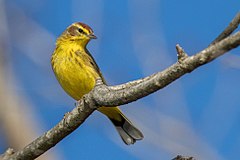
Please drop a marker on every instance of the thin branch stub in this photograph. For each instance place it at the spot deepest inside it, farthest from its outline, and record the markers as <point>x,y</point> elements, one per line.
<point>181,54</point>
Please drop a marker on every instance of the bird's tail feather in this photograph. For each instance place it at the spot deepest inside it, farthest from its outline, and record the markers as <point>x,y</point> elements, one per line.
<point>128,132</point>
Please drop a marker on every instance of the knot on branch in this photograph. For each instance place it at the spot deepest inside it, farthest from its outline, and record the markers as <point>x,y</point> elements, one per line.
<point>181,54</point>
<point>99,93</point>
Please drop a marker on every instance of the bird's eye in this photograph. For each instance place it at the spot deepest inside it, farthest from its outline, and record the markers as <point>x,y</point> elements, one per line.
<point>80,30</point>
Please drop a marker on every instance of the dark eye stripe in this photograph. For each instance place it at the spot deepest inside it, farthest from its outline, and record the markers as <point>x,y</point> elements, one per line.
<point>80,30</point>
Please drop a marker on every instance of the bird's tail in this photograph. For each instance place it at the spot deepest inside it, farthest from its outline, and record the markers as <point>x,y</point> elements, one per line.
<point>128,132</point>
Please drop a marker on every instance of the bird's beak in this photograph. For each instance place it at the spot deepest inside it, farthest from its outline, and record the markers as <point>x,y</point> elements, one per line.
<point>92,36</point>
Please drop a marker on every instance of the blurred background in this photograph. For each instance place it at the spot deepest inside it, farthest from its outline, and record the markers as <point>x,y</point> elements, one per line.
<point>197,115</point>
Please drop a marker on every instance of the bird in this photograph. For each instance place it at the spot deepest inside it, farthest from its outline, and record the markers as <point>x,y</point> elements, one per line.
<point>77,72</point>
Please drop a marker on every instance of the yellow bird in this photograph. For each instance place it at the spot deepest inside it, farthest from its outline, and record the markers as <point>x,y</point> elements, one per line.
<point>77,71</point>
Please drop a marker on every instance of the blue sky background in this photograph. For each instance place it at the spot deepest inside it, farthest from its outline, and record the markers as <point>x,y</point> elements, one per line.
<point>197,115</point>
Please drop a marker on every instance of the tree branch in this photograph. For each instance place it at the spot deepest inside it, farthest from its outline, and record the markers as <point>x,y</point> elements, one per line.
<point>119,95</point>
<point>230,28</point>
<point>103,95</point>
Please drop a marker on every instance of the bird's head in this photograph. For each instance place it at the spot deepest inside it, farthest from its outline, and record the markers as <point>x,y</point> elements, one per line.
<point>78,33</point>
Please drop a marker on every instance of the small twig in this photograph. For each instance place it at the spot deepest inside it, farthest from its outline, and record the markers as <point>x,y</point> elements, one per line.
<point>230,28</point>
<point>181,54</point>
<point>179,157</point>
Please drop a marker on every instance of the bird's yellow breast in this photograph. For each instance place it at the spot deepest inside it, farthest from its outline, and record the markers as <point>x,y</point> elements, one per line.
<point>74,72</point>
